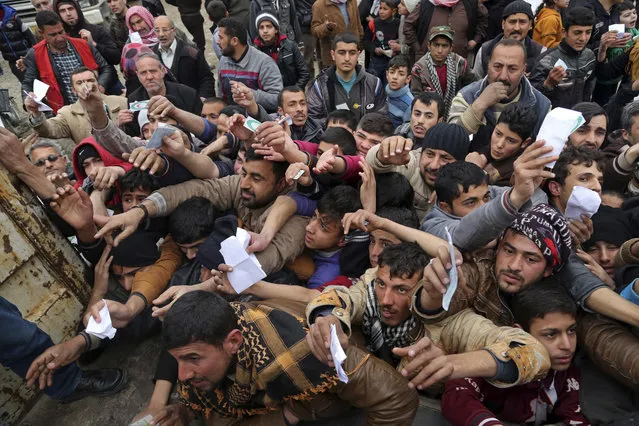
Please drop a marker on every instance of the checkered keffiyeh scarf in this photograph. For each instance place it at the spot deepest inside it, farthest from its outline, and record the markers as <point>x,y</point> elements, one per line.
<point>451,79</point>
<point>274,364</point>
<point>379,335</point>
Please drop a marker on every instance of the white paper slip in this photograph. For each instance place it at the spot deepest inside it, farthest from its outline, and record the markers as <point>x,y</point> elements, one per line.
<point>561,63</point>
<point>620,28</point>
<point>1,123</point>
<point>40,89</point>
<point>41,105</point>
<point>338,355</point>
<point>161,131</point>
<point>138,105</point>
<point>557,127</point>
<point>144,421</point>
<point>582,201</point>
<point>104,328</point>
<point>247,270</point>
<point>251,124</point>
<point>452,274</point>
<point>135,37</point>
<point>342,106</point>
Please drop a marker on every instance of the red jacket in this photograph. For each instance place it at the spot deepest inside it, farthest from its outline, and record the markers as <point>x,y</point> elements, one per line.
<point>42,59</point>
<point>473,401</point>
<point>107,158</point>
<point>351,175</point>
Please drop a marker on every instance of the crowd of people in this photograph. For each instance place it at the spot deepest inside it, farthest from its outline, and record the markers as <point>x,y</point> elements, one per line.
<point>396,157</point>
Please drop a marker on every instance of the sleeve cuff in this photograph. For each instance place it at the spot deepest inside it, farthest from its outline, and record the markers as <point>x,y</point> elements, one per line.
<point>629,293</point>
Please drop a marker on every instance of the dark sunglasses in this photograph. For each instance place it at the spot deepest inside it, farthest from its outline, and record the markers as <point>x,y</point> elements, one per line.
<point>51,159</point>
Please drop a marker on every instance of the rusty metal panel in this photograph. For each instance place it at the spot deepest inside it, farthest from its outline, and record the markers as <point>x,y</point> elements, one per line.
<point>41,274</point>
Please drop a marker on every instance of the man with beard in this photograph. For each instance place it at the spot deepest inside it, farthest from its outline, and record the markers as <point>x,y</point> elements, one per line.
<point>444,143</point>
<point>477,106</point>
<point>516,23</point>
<point>250,195</point>
<point>249,362</point>
<point>243,66</point>
<point>186,63</point>
<point>76,26</point>
<point>282,49</point>
<point>427,110</point>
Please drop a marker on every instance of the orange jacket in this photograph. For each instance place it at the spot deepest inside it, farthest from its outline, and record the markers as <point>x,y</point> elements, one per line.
<point>548,28</point>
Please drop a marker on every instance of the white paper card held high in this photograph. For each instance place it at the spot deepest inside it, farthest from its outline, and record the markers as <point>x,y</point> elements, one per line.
<point>135,37</point>
<point>246,268</point>
<point>39,92</point>
<point>582,201</point>
<point>338,355</point>
<point>620,28</point>
<point>452,274</point>
<point>104,328</point>
<point>557,126</point>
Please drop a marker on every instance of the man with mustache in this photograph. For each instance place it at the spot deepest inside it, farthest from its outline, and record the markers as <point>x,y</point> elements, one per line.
<point>185,62</point>
<point>517,20</point>
<point>567,87</point>
<point>477,106</point>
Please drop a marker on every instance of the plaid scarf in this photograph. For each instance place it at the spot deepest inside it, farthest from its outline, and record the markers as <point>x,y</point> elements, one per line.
<point>451,79</point>
<point>380,337</point>
<point>273,365</point>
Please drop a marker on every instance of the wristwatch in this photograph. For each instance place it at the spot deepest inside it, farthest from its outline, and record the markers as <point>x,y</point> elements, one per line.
<point>144,209</point>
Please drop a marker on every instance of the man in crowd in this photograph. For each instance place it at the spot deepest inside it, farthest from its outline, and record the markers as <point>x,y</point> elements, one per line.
<point>48,157</point>
<point>444,143</point>
<point>242,66</point>
<point>16,39</point>
<point>516,23</point>
<point>186,63</point>
<point>329,20</point>
<point>42,5</point>
<point>116,22</point>
<point>281,48</point>
<point>71,121</point>
<point>477,106</point>
<point>76,26</point>
<point>427,110</point>
<point>54,59</point>
<point>345,85</point>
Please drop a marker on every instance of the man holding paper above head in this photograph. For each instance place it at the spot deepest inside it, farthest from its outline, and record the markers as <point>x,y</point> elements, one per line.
<point>255,366</point>
<point>564,73</point>
<point>477,106</point>
<point>72,120</point>
<point>54,59</point>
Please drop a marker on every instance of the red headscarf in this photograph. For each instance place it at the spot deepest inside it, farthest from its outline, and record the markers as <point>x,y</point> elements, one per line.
<point>149,39</point>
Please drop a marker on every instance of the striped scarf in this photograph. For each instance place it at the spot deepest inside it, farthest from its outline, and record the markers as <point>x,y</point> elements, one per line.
<point>379,335</point>
<point>451,79</point>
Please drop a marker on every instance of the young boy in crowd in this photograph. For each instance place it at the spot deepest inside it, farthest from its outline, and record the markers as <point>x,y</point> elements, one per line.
<point>511,136</point>
<point>398,95</point>
<point>211,110</point>
<point>134,187</point>
<point>548,313</point>
<point>342,118</point>
<point>377,35</point>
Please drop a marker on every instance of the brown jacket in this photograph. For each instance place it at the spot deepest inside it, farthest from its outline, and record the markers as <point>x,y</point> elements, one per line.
<point>464,331</point>
<point>72,121</point>
<point>224,193</point>
<point>152,282</point>
<point>326,10</point>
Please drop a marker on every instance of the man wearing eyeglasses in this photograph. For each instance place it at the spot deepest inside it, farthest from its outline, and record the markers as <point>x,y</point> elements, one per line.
<point>49,158</point>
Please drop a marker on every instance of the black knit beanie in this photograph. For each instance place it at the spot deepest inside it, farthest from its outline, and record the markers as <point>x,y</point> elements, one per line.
<point>610,225</point>
<point>451,138</point>
<point>138,249</point>
<point>518,6</point>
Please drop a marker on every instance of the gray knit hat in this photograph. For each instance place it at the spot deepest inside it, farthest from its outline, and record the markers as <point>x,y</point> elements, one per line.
<point>518,6</point>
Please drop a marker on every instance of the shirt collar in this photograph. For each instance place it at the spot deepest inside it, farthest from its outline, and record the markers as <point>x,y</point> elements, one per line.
<point>171,48</point>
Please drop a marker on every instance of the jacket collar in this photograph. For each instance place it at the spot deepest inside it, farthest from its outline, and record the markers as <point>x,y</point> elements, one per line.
<point>564,47</point>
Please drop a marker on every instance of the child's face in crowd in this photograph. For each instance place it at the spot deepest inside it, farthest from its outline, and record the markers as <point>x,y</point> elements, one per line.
<point>323,233</point>
<point>385,12</point>
<point>423,117</point>
<point>475,197</point>
<point>591,134</point>
<point>516,26</point>
<point>239,162</point>
<point>604,254</point>
<point>431,161</point>
<point>364,141</point>
<point>578,175</point>
<point>379,240</point>
<point>577,36</point>
<point>393,295</point>
<point>504,143</point>
<point>133,198</point>
<point>211,111</point>
<point>402,9</point>
<point>519,263</point>
<point>557,331</point>
<point>190,250</point>
<point>628,18</point>
<point>268,32</point>
<point>326,146</point>
<point>397,77</point>
<point>439,49</point>
<point>294,104</point>
<point>91,164</point>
